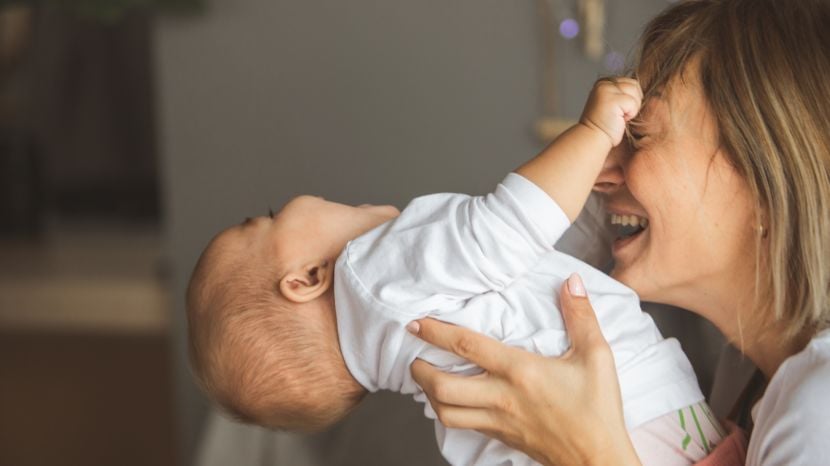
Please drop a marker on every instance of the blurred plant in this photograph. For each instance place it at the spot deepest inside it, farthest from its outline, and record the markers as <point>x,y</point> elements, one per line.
<point>112,10</point>
<point>15,28</point>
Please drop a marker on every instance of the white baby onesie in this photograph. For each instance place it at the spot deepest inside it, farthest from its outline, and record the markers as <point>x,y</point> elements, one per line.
<point>487,263</point>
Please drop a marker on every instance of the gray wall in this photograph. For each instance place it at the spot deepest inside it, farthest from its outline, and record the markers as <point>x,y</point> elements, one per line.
<point>358,101</point>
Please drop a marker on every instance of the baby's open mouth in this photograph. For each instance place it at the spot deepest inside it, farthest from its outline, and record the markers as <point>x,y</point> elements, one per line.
<point>627,226</point>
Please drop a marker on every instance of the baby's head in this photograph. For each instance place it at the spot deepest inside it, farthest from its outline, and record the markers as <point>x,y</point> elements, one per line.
<point>260,306</point>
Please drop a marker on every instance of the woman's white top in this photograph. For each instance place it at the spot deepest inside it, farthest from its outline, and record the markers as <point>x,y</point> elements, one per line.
<point>792,420</point>
<point>488,263</point>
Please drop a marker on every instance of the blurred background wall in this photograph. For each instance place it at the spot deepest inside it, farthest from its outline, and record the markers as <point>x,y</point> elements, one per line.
<point>85,369</point>
<point>149,131</point>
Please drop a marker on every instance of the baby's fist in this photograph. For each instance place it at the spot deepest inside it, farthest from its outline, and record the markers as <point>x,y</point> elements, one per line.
<point>612,104</point>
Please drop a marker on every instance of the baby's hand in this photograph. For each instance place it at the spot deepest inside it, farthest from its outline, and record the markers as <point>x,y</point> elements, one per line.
<point>612,104</point>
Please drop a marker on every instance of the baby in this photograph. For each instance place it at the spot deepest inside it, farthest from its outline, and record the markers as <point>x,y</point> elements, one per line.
<point>294,317</point>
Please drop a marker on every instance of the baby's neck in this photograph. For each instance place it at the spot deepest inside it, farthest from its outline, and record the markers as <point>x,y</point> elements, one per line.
<point>329,311</point>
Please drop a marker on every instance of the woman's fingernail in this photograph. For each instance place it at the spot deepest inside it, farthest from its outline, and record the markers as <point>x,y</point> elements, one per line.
<point>575,286</point>
<point>413,327</point>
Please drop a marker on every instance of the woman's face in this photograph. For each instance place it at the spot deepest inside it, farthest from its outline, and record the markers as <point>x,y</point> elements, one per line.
<point>699,239</point>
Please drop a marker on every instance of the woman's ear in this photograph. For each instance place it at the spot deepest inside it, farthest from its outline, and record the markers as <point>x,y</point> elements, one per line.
<point>308,283</point>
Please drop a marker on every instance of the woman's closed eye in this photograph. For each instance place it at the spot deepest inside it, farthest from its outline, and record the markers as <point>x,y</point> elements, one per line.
<point>635,134</point>
<point>634,141</point>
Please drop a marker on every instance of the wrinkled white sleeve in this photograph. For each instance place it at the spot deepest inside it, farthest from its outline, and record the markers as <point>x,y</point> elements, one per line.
<point>441,252</point>
<point>447,248</point>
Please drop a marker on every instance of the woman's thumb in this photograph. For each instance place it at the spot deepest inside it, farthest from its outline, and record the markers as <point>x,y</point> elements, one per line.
<point>580,319</point>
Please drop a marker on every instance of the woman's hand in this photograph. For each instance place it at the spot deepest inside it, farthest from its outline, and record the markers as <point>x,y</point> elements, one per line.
<point>559,411</point>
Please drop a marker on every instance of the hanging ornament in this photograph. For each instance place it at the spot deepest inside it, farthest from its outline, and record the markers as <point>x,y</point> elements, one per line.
<point>552,125</point>
<point>592,14</point>
<point>585,18</point>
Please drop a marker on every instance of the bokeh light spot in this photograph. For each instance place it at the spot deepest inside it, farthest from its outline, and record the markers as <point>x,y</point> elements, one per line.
<point>614,62</point>
<point>569,28</point>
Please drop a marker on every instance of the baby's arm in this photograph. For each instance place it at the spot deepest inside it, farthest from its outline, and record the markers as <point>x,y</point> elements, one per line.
<point>568,167</point>
<point>446,248</point>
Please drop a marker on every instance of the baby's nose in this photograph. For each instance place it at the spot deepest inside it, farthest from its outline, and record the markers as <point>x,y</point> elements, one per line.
<point>611,177</point>
<point>608,181</point>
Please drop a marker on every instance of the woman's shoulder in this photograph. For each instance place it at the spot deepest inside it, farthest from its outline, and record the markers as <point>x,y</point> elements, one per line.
<point>792,420</point>
<point>802,374</point>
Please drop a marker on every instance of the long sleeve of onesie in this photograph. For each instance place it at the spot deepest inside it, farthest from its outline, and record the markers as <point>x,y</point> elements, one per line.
<point>442,251</point>
<point>447,248</point>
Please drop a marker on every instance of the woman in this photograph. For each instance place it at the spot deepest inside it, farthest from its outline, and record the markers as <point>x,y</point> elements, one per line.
<point>730,162</point>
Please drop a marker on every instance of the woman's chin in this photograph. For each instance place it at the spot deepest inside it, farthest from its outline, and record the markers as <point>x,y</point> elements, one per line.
<point>625,276</point>
<point>630,260</point>
<point>619,273</point>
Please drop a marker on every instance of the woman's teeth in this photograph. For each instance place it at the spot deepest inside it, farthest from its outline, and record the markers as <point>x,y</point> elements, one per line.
<point>628,225</point>
<point>629,220</point>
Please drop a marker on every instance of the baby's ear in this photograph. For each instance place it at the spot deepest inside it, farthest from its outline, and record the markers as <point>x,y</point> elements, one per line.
<point>308,283</point>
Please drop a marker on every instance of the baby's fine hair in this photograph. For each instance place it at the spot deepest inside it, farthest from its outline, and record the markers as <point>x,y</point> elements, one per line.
<point>255,355</point>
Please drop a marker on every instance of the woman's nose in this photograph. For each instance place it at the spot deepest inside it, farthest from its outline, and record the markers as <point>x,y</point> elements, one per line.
<point>611,177</point>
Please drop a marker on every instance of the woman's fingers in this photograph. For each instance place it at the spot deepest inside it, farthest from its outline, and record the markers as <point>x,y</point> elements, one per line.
<point>557,410</point>
<point>476,391</point>
<point>580,319</point>
<point>463,417</point>
<point>487,353</point>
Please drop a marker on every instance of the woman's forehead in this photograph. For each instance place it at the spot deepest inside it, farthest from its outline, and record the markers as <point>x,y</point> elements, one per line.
<point>679,103</point>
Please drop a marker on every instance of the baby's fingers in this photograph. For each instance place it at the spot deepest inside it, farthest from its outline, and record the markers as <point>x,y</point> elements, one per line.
<point>630,106</point>
<point>630,87</point>
<point>623,88</point>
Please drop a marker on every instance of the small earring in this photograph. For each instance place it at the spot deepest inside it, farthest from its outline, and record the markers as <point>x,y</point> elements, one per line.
<point>762,231</point>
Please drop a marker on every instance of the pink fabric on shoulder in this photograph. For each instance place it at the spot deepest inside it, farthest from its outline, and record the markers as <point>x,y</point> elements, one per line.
<point>731,451</point>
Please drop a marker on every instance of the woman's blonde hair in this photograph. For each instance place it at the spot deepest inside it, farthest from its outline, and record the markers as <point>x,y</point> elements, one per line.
<point>764,66</point>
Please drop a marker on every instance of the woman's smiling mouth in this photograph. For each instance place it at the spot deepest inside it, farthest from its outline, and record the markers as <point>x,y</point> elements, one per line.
<point>627,227</point>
